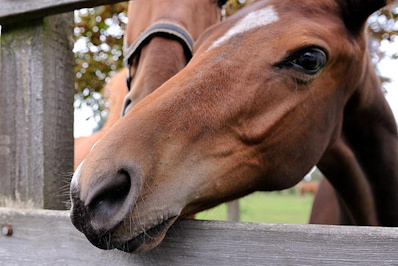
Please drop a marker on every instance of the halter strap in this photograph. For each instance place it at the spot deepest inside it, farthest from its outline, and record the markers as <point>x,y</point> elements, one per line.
<point>160,28</point>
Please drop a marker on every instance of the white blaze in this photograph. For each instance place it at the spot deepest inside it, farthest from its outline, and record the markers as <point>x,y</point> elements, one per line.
<point>252,20</point>
<point>94,145</point>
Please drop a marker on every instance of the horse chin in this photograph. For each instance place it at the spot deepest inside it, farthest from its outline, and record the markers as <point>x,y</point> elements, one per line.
<point>147,240</point>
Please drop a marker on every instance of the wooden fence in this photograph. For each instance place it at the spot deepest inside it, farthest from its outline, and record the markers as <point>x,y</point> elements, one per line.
<point>44,237</point>
<point>36,161</point>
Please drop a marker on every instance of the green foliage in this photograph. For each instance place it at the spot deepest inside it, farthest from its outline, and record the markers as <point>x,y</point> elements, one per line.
<point>98,52</point>
<point>382,29</point>
<point>267,207</point>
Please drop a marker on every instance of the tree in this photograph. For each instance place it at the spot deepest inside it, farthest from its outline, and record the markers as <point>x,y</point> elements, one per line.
<point>383,28</point>
<point>98,53</point>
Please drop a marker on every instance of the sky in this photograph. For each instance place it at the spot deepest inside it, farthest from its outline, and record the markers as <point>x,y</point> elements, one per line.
<point>389,68</point>
<point>84,122</point>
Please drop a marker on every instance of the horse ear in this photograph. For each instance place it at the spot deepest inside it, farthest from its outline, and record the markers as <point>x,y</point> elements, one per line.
<point>356,12</point>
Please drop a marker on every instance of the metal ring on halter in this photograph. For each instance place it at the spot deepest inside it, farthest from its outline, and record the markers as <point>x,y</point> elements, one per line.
<point>162,28</point>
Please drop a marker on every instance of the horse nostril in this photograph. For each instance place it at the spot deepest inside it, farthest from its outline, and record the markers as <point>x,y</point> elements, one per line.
<point>107,207</point>
<point>104,203</point>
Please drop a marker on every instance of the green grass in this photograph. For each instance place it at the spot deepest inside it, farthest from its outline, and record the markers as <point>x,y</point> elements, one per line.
<point>267,207</point>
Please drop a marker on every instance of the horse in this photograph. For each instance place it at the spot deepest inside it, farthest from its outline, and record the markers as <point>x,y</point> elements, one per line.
<point>264,98</point>
<point>157,59</point>
<point>115,90</point>
<point>170,28</point>
<point>160,60</point>
<point>327,208</point>
<point>310,187</point>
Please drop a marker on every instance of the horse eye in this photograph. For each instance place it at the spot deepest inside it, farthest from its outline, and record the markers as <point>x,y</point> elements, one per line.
<point>309,61</point>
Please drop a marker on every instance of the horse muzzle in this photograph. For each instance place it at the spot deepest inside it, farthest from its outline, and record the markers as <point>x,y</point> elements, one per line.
<point>100,205</point>
<point>105,208</point>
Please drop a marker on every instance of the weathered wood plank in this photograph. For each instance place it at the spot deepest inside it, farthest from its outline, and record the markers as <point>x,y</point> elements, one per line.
<point>21,10</point>
<point>47,238</point>
<point>36,112</point>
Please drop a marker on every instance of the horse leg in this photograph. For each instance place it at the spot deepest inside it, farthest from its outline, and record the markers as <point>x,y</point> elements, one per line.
<point>327,207</point>
<point>345,174</point>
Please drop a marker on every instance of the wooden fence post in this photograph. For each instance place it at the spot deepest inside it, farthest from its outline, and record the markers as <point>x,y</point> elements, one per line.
<point>36,112</point>
<point>233,210</point>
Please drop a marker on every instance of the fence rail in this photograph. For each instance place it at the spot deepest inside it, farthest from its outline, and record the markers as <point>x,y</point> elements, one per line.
<point>43,237</point>
<point>21,10</point>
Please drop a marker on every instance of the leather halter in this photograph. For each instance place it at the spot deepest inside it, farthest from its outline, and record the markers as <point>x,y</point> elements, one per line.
<point>161,28</point>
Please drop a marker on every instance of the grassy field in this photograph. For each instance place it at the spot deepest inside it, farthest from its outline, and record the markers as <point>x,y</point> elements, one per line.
<point>267,207</point>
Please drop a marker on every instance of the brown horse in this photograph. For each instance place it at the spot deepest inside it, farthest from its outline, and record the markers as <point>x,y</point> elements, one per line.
<point>264,99</point>
<point>116,91</point>
<point>327,208</point>
<point>158,61</point>
<point>151,65</point>
<point>160,58</point>
<point>307,187</point>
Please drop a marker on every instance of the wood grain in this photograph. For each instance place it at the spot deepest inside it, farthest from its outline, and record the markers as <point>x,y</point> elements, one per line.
<point>44,237</point>
<point>12,11</point>
<point>36,112</point>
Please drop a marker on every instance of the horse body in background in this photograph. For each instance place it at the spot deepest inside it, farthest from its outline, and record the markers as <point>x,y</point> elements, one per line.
<point>309,187</point>
<point>264,99</point>
<point>115,90</point>
<point>163,57</point>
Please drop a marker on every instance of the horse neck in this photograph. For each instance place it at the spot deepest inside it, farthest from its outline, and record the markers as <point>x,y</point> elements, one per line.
<point>372,132</point>
<point>368,106</point>
<point>159,60</point>
<point>366,154</point>
<point>162,58</point>
<point>194,15</point>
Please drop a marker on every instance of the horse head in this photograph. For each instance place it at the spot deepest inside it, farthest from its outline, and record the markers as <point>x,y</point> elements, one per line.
<point>262,101</point>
